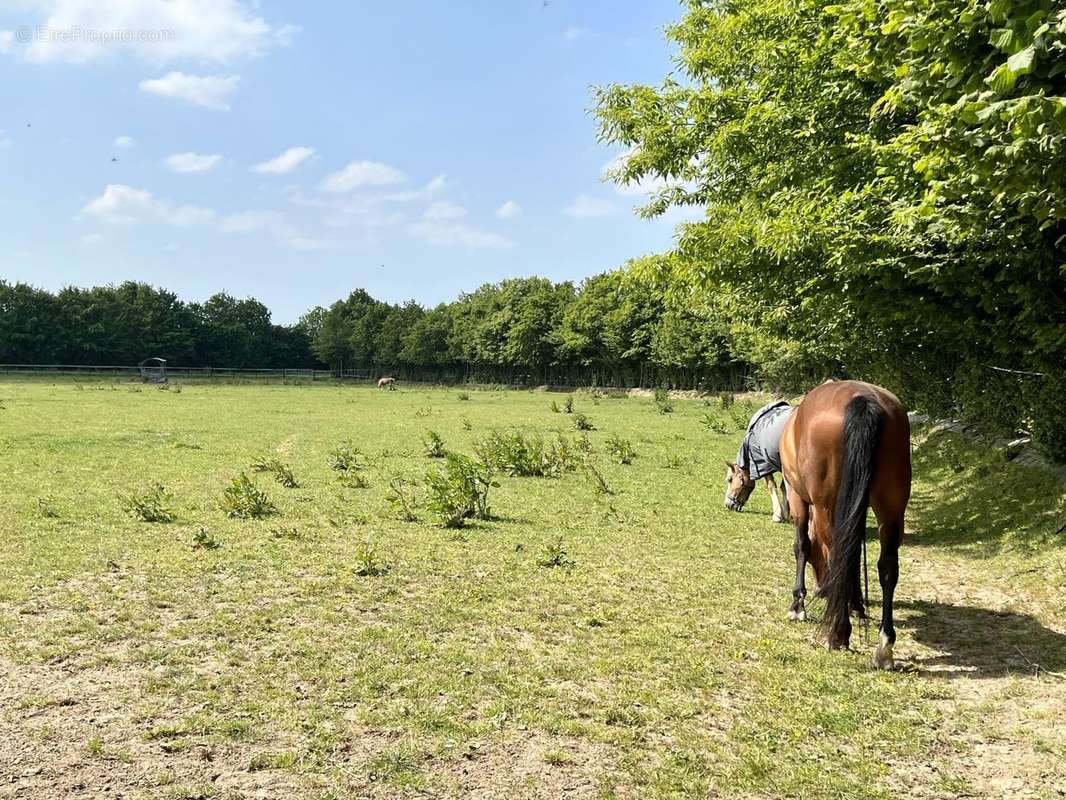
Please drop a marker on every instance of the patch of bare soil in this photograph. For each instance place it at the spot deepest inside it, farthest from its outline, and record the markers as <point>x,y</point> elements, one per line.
<point>68,733</point>
<point>535,767</point>
<point>1001,667</point>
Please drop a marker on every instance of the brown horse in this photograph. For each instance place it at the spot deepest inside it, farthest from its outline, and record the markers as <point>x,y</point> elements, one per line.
<point>847,447</point>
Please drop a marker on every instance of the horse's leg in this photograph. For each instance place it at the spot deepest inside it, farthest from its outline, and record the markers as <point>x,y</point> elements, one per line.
<point>775,499</point>
<point>890,533</point>
<point>802,549</point>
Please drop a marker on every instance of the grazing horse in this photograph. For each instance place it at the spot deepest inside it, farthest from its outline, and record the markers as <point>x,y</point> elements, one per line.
<point>759,457</point>
<point>847,447</point>
<point>387,383</point>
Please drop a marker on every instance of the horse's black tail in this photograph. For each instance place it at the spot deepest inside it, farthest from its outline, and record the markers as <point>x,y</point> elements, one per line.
<point>864,419</point>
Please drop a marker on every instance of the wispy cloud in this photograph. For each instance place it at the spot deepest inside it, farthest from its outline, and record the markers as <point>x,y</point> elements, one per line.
<point>286,162</point>
<point>125,205</point>
<point>124,142</point>
<point>206,91</point>
<point>452,233</point>
<point>193,162</point>
<point>509,210</point>
<point>5,140</point>
<point>585,207</point>
<point>573,33</point>
<point>252,222</point>
<point>201,31</point>
<point>445,210</point>
<point>360,174</point>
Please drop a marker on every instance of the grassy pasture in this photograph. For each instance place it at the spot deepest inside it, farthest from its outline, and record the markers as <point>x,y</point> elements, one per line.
<point>580,643</point>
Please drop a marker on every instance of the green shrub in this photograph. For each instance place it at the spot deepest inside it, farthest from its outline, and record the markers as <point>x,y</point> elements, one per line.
<point>568,406</point>
<point>554,407</point>
<point>714,424</point>
<point>516,454</point>
<point>583,423</point>
<point>243,499</point>
<point>433,445</point>
<point>663,403</point>
<point>152,505</point>
<point>459,491</point>
<point>464,395</point>
<point>621,449</point>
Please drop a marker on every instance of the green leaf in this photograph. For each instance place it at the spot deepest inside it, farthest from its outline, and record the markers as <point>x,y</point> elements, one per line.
<point>1021,62</point>
<point>1002,39</point>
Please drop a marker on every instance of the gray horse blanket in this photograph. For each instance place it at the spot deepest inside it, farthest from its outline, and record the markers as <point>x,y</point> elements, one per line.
<point>760,451</point>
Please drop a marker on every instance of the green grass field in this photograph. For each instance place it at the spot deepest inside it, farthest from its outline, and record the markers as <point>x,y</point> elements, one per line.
<point>631,644</point>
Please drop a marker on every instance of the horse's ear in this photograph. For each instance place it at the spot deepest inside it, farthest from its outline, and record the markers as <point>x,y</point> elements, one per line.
<point>732,467</point>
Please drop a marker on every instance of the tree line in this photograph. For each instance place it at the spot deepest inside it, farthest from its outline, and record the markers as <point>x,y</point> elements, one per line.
<point>121,325</point>
<point>609,330</point>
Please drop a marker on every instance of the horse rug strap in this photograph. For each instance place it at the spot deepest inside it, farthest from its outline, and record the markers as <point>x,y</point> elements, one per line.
<point>760,452</point>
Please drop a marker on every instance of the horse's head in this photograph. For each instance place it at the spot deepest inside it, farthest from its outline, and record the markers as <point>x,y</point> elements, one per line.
<point>738,487</point>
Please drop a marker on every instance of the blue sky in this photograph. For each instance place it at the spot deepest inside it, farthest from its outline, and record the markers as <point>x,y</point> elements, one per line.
<point>296,151</point>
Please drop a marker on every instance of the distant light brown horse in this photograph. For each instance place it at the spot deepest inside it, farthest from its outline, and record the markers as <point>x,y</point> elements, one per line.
<point>387,383</point>
<point>846,448</point>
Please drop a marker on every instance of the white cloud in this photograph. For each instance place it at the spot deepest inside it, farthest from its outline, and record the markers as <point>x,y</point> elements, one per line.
<point>124,205</point>
<point>573,33</point>
<point>252,221</point>
<point>358,174</point>
<point>159,31</point>
<point>445,210</point>
<point>585,207</point>
<point>7,38</point>
<point>92,238</point>
<point>5,140</point>
<point>193,162</point>
<point>207,91</point>
<point>286,162</point>
<point>458,234</point>
<point>509,210</point>
<point>124,141</point>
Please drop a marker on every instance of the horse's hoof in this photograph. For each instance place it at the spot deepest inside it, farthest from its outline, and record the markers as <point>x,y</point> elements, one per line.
<point>780,519</point>
<point>797,615</point>
<point>883,654</point>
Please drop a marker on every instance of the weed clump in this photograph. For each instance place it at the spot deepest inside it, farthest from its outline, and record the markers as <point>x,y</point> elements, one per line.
<point>621,449</point>
<point>459,491</point>
<point>368,561</point>
<point>583,423</point>
<point>401,496</point>
<point>515,454</point>
<point>554,554</point>
<point>281,471</point>
<point>714,424</point>
<point>243,499</point>
<point>152,505</point>
<point>433,445</point>
<point>202,540</point>
<point>663,403</point>
<point>463,396</point>
<point>346,457</point>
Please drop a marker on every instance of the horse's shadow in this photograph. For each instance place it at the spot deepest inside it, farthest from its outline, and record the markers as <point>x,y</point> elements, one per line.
<point>976,642</point>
